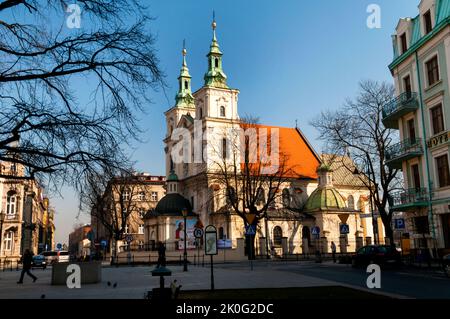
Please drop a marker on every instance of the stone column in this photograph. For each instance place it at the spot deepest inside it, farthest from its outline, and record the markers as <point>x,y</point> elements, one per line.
<point>325,245</point>
<point>305,247</point>
<point>262,246</point>
<point>284,245</point>
<point>240,247</point>
<point>343,244</point>
<point>359,242</point>
<point>368,240</point>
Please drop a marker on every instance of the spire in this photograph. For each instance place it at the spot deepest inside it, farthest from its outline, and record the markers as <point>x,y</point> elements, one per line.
<point>184,96</point>
<point>215,76</point>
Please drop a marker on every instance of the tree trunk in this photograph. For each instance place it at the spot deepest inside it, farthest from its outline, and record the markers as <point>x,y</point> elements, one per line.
<point>387,226</point>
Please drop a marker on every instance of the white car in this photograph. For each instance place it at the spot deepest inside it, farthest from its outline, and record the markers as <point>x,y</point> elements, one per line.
<point>56,256</point>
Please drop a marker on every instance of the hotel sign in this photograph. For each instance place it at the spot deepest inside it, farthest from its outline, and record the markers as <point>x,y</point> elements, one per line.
<point>438,140</point>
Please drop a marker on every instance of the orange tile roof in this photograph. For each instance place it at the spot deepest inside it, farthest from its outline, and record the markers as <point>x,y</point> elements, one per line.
<point>300,158</point>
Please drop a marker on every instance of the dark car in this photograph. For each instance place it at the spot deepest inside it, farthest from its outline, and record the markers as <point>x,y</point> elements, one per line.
<point>376,254</point>
<point>446,264</point>
<point>39,261</point>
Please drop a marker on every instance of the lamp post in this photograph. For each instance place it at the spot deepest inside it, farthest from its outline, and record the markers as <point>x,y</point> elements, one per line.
<point>2,217</point>
<point>185,212</point>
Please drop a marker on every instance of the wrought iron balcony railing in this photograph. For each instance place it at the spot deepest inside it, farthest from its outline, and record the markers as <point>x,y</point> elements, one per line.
<point>398,107</point>
<point>407,149</point>
<point>410,198</point>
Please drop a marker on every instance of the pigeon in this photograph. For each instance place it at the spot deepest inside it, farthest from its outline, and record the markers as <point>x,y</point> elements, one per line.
<point>109,283</point>
<point>115,285</point>
<point>42,296</point>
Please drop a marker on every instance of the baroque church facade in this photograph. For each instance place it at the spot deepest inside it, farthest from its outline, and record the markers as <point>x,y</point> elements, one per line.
<point>321,196</point>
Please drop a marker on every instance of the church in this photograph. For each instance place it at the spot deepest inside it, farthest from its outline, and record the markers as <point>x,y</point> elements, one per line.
<point>320,199</point>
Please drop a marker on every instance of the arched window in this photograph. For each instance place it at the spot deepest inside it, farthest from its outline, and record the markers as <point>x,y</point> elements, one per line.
<point>11,203</point>
<point>286,198</point>
<point>351,202</point>
<point>221,234</point>
<point>231,196</point>
<point>222,111</point>
<point>186,85</point>
<point>224,148</point>
<point>277,236</point>
<point>260,196</point>
<point>216,62</point>
<point>200,113</point>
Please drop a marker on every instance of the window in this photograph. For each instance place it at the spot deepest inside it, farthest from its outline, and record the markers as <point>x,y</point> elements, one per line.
<point>411,131</point>
<point>222,111</point>
<point>127,228</point>
<point>286,198</point>
<point>442,170</point>
<point>200,113</point>
<point>277,236</point>
<point>141,229</point>
<point>437,119</point>
<point>231,196</point>
<point>432,71</point>
<point>142,195</point>
<point>126,195</point>
<point>216,62</point>
<point>427,22</point>
<point>415,175</point>
<point>8,241</point>
<point>407,85</point>
<point>221,234</point>
<point>224,148</point>
<point>351,202</point>
<point>421,225</point>
<point>141,212</point>
<point>260,197</point>
<point>11,202</point>
<point>186,85</point>
<point>154,196</point>
<point>403,43</point>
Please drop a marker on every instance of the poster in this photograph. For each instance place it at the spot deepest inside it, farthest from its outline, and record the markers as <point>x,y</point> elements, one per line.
<point>179,233</point>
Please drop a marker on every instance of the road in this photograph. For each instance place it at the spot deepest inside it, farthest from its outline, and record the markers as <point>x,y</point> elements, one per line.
<point>410,283</point>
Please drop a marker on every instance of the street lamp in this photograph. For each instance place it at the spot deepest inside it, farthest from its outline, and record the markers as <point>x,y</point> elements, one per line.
<point>2,217</point>
<point>184,211</point>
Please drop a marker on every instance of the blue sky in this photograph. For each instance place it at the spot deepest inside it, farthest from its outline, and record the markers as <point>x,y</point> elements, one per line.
<point>290,60</point>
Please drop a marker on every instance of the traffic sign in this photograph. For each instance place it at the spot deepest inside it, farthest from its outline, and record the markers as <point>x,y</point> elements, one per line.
<point>250,218</point>
<point>59,246</point>
<point>198,233</point>
<point>315,230</point>
<point>344,229</point>
<point>104,243</point>
<point>129,238</point>
<point>250,230</point>
<point>400,223</point>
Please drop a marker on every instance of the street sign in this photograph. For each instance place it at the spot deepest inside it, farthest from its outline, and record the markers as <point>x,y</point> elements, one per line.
<point>129,238</point>
<point>250,230</point>
<point>315,230</point>
<point>198,233</point>
<point>344,229</point>
<point>210,240</point>
<point>400,223</point>
<point>250,218</point>
<point>59,246</point>
<point>104,243</point>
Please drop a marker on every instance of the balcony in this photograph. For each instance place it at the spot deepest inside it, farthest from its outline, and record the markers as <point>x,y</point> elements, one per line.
<point>410,199</point>
<point>405,150</point>
<point>405,103</point>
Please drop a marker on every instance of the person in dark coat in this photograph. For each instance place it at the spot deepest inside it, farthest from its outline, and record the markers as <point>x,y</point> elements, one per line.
<point>161,255</point>
<point>26,262</point>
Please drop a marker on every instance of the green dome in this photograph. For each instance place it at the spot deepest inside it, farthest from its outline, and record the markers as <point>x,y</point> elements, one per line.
<point>325,199</point>
<point>172,177</point>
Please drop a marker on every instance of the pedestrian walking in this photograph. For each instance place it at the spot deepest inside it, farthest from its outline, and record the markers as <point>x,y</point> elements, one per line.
<point>26,262</point>
<point>333,251</point>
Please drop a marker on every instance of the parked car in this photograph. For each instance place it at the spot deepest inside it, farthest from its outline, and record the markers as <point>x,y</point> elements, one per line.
<point>56,256</point>
<point>446,264</point>
<point>376,254</point>
<point>38,261</point>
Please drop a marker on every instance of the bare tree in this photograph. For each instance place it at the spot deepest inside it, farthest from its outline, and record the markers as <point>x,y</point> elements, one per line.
<point>69,98</point>
<point>113,200</point>
<point>357,130</point>
<point>250,176</point>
